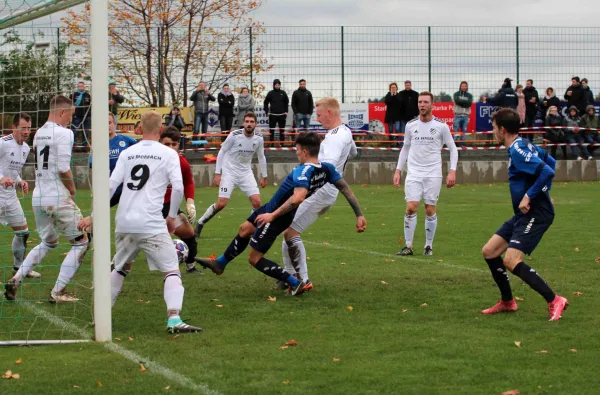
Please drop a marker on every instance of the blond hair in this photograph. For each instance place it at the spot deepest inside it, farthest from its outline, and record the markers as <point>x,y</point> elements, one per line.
<point>151,122</point>
<point>60,102</point>
<point>329,103</point>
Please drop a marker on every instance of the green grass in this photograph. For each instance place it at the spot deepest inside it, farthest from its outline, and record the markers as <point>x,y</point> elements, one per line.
<point>389,343</point>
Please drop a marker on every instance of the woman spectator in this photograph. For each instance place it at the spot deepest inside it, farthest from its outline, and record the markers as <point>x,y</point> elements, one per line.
<point>226,103</point>
<point>393,112</point>
<point>574,135</point>
<point>555,136</point>
<point>521,109</point>
<point>590,121</point>
<point>175,119</point>
<point>549,100</point>
<point>245,104</point>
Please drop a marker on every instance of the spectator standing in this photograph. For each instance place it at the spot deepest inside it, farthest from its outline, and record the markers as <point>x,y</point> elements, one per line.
<point>548,101</point>
<point>245,103</point>
<point>532,99</point>
<point>574,135</point>
<point>393,111</point>
<point>302,105</point>
<point>462,109</point>
<point>175,119</point>
<point>276,107</point>
<point>114,99</point>
<point>200,99</point>
<point>575,95</point>
<point>410,106</point>
<point>555,136</point>
<point>590,120</point>
<point>506,96</point>
<point>521,107</point>
<point>226,104</point>
<point>82,117</point>
<point>587,93</point>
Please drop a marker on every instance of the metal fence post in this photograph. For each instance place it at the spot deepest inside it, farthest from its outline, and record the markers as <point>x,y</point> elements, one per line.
<point>251,65</point>
<point>159,57</point>
<point>343,82</point>
<point>518,65</point>
<point>58,60</point>
<point>429,55</point>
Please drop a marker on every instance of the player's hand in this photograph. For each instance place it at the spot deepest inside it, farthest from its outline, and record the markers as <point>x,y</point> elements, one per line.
<point>264,219</point>
<point>397,178</point>
<point>569,93</point>
<point>72,192</point>
<point>361,224</point>
<point>24,186</point>
<point>111,102</point>
<point>451,179</point>
<point>6,182</point>
<point>85,224</point>
<point>524,205</point>
<point>191,210</point>
<point>217,180</point>
<point>263,182</point>
<point>171,225</point>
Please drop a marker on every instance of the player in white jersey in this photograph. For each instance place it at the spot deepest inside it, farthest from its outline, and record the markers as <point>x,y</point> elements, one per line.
<point>424,138</point>
<point>337,147</point>
<point>53,206</point>
<point>146,169</point>
<point>234,168</point>
<point>13,155</point>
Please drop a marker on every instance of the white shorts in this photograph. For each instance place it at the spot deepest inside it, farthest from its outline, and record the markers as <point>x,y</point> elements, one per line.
<point>247,183</point>
<point>63,219</point>
<point>425,188</point>
<point>158,249</point>
<point>311,209</point>
<point>11,213</point>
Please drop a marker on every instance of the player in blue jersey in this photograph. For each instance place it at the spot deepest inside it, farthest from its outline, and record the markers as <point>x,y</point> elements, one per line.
<point>530,173</point>
<point>117,143</point>
<point>263,227</point>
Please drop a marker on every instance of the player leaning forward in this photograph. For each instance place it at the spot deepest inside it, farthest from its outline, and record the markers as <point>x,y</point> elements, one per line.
<point>146,170</point>
<point>52,200</point>
<point>530,173</point>
<point>424,139</point>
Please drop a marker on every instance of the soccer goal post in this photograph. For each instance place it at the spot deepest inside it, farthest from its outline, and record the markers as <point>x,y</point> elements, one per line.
<point>35,65</point>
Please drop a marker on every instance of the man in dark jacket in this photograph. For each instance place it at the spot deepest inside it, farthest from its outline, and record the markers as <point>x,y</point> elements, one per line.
<point>462,109</point>
<point>410,104</point>
<point>114,99</point>
<point>587,93</point>
<point>506,96</point>
<point>302,105</point>
<point>226,104</point>
<point>575,95</point>
<point>200,99</point>
<point>276,106</point>
<point>531,103</point>
<point>82,118</point>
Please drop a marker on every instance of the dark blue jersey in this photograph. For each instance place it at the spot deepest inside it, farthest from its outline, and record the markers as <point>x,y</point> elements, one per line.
<point>310,176</point>
<point>530,171</point>
<point>116,145</point>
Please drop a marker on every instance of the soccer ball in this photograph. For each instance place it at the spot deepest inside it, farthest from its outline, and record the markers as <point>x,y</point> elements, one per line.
<point>182,250</point>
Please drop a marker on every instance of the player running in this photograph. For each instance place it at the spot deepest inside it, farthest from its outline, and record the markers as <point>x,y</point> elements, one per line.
<point>263,227</point>
<point>424,139</point>
<point>53,206</point>
<point>337,147</point>
<point>146,170</point>
<point>234,161</point>
<point>530,173</point>
<point>13,155</point>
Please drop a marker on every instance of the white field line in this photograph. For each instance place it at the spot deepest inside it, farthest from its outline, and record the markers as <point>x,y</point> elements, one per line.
<point>125,353</point>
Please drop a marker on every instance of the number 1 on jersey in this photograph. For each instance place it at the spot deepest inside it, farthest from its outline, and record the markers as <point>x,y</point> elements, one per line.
<point>45,153</point>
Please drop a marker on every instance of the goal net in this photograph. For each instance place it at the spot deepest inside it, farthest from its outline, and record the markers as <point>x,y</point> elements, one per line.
<point>37,63</point>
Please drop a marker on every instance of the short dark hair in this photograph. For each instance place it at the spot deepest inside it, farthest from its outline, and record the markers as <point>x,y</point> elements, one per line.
<point>576,79</point>
<point>225,84</point>
<point>508,119</point>
<point>81,82</point>
<point>392,84</point>
<point>584,80</point>
<point>172,133</point>
<point>408,82</point>
<point>250,114</point>
<point>22,115</point>
<point>426,93</point>
<point>310,141</point>
<point>246,88</point>
<point>530,80</point>
<point>60,101</point>
<point>302,80</point>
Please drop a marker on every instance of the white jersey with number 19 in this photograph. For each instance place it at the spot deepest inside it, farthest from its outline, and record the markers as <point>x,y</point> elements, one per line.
<point>146,170</point>
<point>52,147</point>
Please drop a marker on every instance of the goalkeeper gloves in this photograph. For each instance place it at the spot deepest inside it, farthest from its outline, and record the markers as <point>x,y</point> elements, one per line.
<point>191,210</point>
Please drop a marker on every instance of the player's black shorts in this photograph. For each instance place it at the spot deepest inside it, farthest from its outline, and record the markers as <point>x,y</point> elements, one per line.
<point>264,237</point>
<point>166,208</point>
<point>116,197</point>
<point>524,232</point>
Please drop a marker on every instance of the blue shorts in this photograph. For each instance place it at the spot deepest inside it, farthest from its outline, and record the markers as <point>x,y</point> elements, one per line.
<point>524,232</point>
<point>264,237</point>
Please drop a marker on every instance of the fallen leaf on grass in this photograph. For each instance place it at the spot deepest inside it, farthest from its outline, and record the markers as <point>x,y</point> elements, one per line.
<point>577,293</point>
<point>365,185</point>
<point>404,310</point>
<point>75,386</point>
<point>272,299</point>
<point>140,300</point>
<point>15,376</point>
<point>99,384</point>
<point>598,260</point>
<point>384,283</point>
<point>130,338</point>
<point>519,299</point>
<point>342,263</point>
<point>576,249</point>
<point>542,352</point>
<point>291,343</point>
<point>142,367</point>
<point>174,337</point>
<point>573,350</point>
<point>336,359</point>
<point>147,302</point>
<point>220,306</point>
<point>283,348</point>
<point>118,339</point>
<point>400,241</point>
<point>350,308</point>
<point>168,387</point>
<point>214,300</point>
<point>323,217</point>
<point>308,258</point>
<point>518,344</point>
<point>286,382</point>
<point>511,392</point>
<point>19,361</point>
<point>7,374</point>
<point>325,243</point>
<point>386,260</point>
<point>424,305</point>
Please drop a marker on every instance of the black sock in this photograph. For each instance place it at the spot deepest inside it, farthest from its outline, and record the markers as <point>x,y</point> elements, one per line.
<point>534,280</point>
<point>272,269</point>
<point>193,249</point>
<point>500,277</point>
<point>237,246</point>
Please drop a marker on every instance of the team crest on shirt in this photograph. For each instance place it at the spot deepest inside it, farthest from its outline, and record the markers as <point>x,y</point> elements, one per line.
<point>432,131</point>
<point>121,144</point>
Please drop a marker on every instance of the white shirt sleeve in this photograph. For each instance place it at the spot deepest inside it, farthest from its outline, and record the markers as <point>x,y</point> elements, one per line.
<point>403,157</point>
<point>64,151</point>
<point>262,160</point>
<point>1,154</point>
<point>353,149</point>
<point>226,146</point>
<point>449,141</point>
<point>117,177</point>
<point>176,181</point>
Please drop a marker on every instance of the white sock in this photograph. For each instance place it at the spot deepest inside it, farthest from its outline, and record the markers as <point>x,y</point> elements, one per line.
<point>19,245</point>
<point>297,254</point>
<point>116,283</point>
<point>287,262</point>
<point>430,227</point>
<point>173,294</point>
<point>33,259</point>
<point>70,265</point>
<point>210,212</point>
<point>410,224</point>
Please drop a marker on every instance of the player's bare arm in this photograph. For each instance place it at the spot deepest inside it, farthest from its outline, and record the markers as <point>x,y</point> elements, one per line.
<point>344,188</point>
<point>67,179</point>
<point>292,203</point>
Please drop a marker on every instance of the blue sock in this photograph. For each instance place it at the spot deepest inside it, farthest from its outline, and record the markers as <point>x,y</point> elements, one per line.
<point>222,261</point>
<point>235,248</point>
<point>293,281</point>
